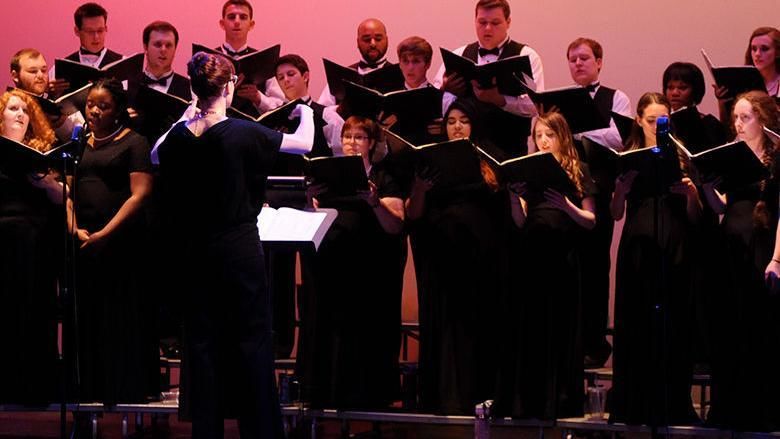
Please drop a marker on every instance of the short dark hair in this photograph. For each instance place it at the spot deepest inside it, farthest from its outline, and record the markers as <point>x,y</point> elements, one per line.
<point>27,52</point>
<point>208,73</point>
<point>160,26</point>
<point>117,91</point>
<point>415,46</point>
<point>491,4</point>
<point>88,10</point>
<point>598,51</point>
<point>688,73</point>
<point>243,3</point>
<point>294,60</point>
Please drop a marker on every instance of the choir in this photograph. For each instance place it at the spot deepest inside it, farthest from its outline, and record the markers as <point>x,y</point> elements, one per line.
<point>512,265</point>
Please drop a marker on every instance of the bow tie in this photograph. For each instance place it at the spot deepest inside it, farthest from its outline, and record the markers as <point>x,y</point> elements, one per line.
<point>365,65</point>
<point>235,53</point>
<point>592,87</point>
<point>84,51</point>
<point>484,52</point>
<point>148,80</point>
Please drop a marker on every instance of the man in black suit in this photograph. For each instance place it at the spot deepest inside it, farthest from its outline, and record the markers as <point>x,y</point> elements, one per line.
<point>91,28</point>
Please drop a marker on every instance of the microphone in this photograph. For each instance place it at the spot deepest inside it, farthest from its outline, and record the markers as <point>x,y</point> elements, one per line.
<point>79,140</point>
<point>78,133</point>
<point>662,131</point>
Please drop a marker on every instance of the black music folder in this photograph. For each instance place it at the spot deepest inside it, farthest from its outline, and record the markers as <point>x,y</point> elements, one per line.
<point>66,104</point>
<point>385,79</point>
<point>624,125</point>
<point>276,119</point>
<point>737,79</point>
<point>503,70</point>
<point>574,103</point>
<point>454,162</point>
<point>20,158</point>
<point>257,67</point>
<point>414,109</point>
<point>344,175</point>
<point>78,74</point>
<point>539,171</point>
<point>733,162</point>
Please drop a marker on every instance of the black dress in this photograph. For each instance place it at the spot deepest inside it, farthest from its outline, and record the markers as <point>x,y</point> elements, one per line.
<point>459,285</point>
<point>651,357</point>
<point>215,188</point>
<point>30,237</point>
<point>350,348</point>
<point>118,347</point>
<point>542,374</point>
<point>746,357</point>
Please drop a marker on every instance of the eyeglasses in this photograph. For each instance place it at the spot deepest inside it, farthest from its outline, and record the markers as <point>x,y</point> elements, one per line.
<point>356,137</point>
<point>233,79</point>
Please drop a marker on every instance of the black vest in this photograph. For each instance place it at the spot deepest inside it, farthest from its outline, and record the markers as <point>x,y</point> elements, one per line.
<point>604,99</point>
<point>507,131</point>
<point>109,57</point>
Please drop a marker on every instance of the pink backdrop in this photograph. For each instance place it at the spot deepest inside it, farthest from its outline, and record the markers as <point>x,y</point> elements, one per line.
<point>640,38</point>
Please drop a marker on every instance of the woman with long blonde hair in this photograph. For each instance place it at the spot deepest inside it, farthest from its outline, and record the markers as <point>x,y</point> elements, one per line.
<point>542,354</point>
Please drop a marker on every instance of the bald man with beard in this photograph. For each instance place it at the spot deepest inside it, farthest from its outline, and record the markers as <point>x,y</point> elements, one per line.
<point>372,43</point>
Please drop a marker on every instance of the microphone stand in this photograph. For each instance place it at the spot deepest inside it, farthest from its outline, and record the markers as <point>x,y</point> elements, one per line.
<point>67,286</point>
<point>658,328</point>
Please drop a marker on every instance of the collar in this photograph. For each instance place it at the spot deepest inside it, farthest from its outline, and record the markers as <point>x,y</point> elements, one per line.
<point>593,87</point>
<point>85,52</point>
<point>372,66</point>
<point>423,85</point>
<point>231,51</point>
<point>494,51</point>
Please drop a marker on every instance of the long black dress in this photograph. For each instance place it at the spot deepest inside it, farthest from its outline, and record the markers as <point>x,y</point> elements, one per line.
<point>118,347</point>
<point>214,190</point>
<point>30,236</point>
<point>461,283</point>
<point>651,357</point>
<point>350,338</point>
<point>747,358</point>
<point>542,374</point>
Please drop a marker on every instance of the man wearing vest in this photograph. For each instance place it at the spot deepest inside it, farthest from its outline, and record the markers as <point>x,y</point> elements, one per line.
<point>508,118</point>
<point>585,57</point>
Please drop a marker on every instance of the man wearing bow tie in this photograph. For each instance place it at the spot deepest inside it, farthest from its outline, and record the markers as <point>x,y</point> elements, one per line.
<point>512,125</point>
<point>237,20</point>
<point>585,57</point>
<point>91,28</point>
<point>372,44</point>
<point>160,40</point>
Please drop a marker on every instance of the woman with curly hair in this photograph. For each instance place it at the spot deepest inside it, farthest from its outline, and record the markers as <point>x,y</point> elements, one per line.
<point>746,358</point>
<point>543,355</point>
<point>30,228</point>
